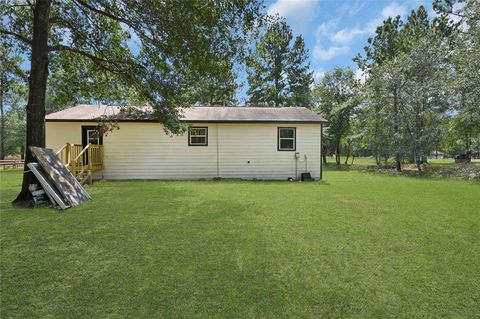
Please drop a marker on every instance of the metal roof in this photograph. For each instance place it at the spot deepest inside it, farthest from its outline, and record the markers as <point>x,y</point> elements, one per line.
<point>199,114</point>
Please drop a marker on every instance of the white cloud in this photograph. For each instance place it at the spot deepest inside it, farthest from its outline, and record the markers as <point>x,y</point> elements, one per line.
<point>293,8</point>
<point>329,53</point>
<point>457,18</point>
<point>347,35</point>
<point>359,75</point>
<point>318,75</point>
<point>325,31</point>
<point>393,9</point>
<point>340,39</point>
<point>299,13</point>
<point>350,8</point>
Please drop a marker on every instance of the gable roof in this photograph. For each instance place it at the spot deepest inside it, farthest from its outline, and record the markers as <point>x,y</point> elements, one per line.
<point>197,114</point>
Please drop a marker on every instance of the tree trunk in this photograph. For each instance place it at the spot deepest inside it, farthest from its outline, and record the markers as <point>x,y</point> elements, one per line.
<point>468,140</point>
<point>347,156</point>
<point>2,123</point>
<point>398,163</point>
<point>324,158</point>
<point>37,86</point>
<point>419,166</point>
<point>337,153</point>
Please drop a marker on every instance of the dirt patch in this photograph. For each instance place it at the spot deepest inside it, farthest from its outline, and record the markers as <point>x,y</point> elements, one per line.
<point>464,171</point>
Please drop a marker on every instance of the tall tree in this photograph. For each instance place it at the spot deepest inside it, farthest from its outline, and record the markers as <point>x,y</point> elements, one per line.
<point>15,119</point>
<point>300,77</point>
<point>11,78</point>
<point>217,90</point>
<point>373,117</point>
<point>76,80</point>
<point>278,71</point>
<point>407,90</point>
<point>426,95</point>
<point>3,90</point>
<point>425,100</point>
<point>175,37</point>
<point>385,47</point>
<point>464,18</point>
<point>336,97</point>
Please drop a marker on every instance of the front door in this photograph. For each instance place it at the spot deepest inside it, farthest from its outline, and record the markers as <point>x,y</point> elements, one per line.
<point>90,136</point>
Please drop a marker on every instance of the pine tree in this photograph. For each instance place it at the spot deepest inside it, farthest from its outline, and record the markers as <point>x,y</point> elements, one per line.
<point>385,48</point>
<point>300,77</point>
<point>278,71</point>
<point>406,90</point>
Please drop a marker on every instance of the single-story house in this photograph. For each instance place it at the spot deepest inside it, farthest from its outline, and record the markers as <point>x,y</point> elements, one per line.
<point>220,142</point>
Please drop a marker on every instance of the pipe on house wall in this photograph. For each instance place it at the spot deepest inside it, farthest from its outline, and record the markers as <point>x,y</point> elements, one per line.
<point>218,158</point>
<point>296,164</point>
<point>321,146</point>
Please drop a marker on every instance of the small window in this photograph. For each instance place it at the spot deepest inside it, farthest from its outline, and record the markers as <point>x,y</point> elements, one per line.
<point>198,136</point>
<point>93,137</point>
<point>286,139</point>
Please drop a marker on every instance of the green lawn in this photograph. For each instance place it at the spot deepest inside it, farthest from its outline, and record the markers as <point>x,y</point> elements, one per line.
<point>357,161</point>
<point>359,244</point>
<point>371,161</point>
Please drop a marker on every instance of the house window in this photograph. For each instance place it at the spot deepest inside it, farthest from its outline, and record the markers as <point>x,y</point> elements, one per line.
<point>198,136</point>
<point>286,138</point>
<point>93,137</point>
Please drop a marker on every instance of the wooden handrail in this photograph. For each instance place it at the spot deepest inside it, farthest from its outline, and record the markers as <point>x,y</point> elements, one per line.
<point>81,153</point>
<point>64,147</point>
<point>88,158</point>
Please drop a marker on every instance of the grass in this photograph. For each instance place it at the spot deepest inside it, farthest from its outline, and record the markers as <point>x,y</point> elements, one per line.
<point>357,161</point>
<point>370,160</point>
<point>358,245</point>
<point>450,161</point>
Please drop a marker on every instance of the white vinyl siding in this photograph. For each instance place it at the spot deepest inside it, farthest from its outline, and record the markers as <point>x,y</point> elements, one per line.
<point>250,151</point>
<point>144,151</point>
<point>243,150</point>
<point>57,134</point>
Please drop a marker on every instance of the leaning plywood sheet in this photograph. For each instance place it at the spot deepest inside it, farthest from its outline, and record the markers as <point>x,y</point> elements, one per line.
<point>50,189</point>
<point>67,185</point>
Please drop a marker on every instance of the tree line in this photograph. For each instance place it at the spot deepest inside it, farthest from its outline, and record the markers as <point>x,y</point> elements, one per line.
<point>421,92</point>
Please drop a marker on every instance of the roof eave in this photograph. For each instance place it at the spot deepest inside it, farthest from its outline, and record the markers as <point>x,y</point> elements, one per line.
<point>199,121</point>
<point>256,121</point>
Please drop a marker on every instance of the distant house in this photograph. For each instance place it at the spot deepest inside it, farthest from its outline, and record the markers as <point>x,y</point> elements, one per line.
<point>221,142</point>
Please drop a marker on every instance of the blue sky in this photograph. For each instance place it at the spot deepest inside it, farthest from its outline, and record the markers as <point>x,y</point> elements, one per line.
<point>335,31</point>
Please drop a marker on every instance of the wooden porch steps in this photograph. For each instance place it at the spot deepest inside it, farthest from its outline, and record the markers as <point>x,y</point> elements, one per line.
<point>82,161</point>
